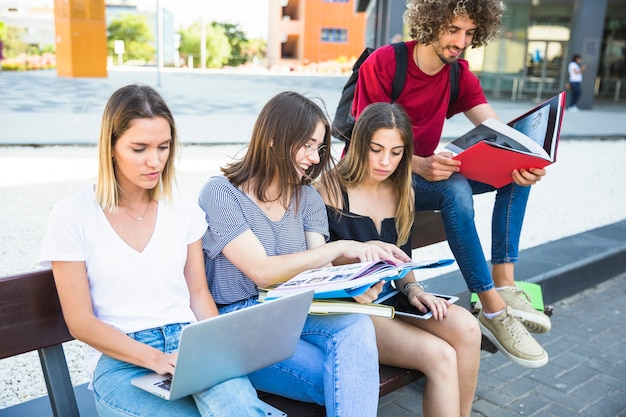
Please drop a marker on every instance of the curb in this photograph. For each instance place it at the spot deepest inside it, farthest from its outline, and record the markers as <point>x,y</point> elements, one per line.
<point>562,267</point>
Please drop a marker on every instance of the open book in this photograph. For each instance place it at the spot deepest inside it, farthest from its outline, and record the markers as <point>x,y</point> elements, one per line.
<point>492,150</point>
<point>349,280</point>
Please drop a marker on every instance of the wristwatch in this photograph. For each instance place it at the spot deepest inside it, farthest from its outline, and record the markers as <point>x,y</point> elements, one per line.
<point>410,284</point>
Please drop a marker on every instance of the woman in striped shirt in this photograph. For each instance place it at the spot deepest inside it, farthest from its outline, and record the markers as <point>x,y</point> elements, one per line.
<point>266,224</point>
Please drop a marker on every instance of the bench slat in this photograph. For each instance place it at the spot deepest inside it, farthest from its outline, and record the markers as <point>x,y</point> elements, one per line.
<point>31,314</point>
<point>427,229</point>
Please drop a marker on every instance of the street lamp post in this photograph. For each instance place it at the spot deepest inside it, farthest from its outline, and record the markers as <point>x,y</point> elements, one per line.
<point>159,47</point>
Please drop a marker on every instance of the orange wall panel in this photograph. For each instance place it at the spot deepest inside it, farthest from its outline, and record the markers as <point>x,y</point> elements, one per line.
<point>333,15</point>
<point>81,42</point>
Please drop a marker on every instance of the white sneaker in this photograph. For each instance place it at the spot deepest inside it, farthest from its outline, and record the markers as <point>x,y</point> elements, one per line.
<point>509,335</point>
<point>573,109</point>
<point>519,301</point>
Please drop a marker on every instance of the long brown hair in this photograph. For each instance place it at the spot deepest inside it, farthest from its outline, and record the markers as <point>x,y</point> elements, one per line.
<point>285,124</point>
<point>352,169</point>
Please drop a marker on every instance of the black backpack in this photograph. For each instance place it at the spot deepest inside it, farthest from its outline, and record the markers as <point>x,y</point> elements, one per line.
<point>343,122</point>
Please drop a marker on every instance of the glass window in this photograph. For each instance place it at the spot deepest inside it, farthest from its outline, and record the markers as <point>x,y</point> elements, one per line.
<point>334,35</point>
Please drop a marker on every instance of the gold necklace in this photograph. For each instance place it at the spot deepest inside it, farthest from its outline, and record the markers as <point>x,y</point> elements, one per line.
<point>142,216</point>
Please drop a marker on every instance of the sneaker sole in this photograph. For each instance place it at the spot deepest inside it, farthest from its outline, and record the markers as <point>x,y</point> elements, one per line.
<point>517,360</point>
<point>534,323</point>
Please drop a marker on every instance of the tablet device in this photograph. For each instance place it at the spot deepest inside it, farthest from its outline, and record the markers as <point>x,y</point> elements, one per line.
<point>403,308</point>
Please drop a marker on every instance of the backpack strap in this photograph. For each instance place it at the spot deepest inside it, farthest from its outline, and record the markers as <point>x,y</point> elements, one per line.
<point>402,64</point>
<point>454,82</point>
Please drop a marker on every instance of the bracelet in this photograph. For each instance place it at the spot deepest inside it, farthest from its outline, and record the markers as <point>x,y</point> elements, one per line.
<point>409,285</point>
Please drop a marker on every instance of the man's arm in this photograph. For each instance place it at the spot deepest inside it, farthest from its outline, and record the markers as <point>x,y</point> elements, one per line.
<point>480,113</point>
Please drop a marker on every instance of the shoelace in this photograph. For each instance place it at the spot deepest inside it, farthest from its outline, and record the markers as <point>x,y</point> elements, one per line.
<point>519,291</point>
<point>514,325</point>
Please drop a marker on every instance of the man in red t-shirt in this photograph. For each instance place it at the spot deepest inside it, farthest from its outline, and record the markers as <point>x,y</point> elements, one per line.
<point>442,30</point>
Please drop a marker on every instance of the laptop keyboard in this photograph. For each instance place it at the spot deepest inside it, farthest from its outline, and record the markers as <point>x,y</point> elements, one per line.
<point>166,384</point>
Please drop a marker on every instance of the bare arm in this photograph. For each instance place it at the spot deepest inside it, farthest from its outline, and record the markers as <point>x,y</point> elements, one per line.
<point>73,289</point>
<point>202,302</point>
<point>247,253</point>
<point>480,113</point>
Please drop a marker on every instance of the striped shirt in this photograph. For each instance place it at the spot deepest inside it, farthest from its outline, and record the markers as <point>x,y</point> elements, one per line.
<point>230,212</point>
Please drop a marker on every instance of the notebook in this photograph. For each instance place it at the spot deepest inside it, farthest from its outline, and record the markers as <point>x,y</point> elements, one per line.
<point>231,345</point>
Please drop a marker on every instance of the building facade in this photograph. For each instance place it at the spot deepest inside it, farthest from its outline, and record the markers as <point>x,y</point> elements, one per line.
<point>306,31</point>
<point>540,36</point>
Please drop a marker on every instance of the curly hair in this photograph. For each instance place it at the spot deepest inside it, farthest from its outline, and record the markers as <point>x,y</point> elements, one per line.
<point>427,19</point>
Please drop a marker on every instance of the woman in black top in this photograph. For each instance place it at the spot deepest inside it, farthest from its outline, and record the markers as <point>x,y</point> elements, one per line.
<point>369,197</point>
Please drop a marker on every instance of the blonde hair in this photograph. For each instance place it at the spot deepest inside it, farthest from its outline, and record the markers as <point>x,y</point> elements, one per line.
<point>128,103</point>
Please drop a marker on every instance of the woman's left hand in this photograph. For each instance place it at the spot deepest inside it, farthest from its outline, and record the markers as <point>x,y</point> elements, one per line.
<point>423,300</point>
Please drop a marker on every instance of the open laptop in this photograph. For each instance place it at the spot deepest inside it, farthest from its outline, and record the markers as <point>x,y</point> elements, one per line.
<point>231,345</point>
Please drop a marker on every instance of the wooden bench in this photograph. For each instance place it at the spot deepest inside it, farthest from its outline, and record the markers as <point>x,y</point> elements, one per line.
<point>31,320</point>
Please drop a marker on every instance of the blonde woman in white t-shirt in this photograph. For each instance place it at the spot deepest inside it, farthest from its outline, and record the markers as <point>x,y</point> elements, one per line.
<point>128,265</point>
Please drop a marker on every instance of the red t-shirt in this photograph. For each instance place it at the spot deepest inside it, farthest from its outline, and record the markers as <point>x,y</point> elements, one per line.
<point>424,97</point>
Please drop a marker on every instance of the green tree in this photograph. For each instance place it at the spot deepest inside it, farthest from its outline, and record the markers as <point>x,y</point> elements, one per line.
<point>255,47</point>
<point>13,43</point>
<point>218,48</point>
<point>238,43</point>
<point>134,30</point>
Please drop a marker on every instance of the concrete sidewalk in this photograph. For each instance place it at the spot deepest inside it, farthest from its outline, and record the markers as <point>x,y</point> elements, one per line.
<point>586,375</point>
<point>40,108</point>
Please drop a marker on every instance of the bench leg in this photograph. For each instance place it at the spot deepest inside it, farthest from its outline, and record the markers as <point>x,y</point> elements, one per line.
<point>58,382</point>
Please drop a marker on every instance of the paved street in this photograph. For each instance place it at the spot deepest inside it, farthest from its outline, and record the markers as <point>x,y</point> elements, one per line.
<point>212,106</point>
<point>586,375</point>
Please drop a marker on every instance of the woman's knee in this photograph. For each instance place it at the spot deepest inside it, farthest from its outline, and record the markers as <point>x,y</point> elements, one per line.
<point>442,362</point>
<point>465,327</point>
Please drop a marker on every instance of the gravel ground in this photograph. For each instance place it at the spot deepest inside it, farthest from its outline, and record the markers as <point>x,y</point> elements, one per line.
<point>584,190</point>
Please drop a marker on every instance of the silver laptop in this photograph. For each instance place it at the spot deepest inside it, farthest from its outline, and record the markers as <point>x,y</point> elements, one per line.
<point>231,345</point>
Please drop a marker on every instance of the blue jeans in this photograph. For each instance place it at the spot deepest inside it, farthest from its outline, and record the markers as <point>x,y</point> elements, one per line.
<point>335,364</point>
<point>577,91</point>
<point>116,397</point>
<point>454,198</point>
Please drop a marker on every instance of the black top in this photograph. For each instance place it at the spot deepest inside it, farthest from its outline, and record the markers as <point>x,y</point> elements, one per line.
<point>351,226</point>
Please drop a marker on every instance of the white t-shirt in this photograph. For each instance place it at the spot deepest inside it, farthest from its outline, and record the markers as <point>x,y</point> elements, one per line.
<point>575,75</point>
<point>130,290</point>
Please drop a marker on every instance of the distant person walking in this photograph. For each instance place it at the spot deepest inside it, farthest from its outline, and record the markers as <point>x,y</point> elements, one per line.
<point>575,69</point>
